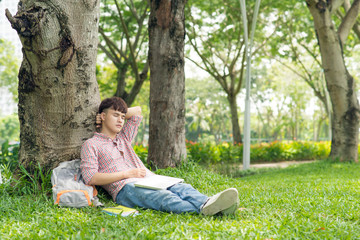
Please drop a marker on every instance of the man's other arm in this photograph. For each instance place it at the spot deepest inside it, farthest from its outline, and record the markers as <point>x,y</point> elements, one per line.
<point>107,178</point>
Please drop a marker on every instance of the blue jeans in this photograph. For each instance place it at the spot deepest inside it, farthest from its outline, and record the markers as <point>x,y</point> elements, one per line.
<point>179,198</point>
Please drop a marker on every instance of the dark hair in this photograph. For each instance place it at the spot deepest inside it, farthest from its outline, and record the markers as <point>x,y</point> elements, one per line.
<point>116,103</point>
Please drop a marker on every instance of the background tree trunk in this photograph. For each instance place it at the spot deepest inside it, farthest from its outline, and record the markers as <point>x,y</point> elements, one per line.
<point>167,83</point>
<point>58,92</point>
<point>341,85</point>
<point>234,119</point>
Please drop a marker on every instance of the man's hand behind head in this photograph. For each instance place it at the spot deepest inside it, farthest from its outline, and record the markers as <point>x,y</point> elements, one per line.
<point>98,120</point>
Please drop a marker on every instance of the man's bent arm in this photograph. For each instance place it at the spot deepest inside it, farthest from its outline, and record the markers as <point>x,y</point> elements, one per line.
<point>133,111</point>
<point>107,178</point>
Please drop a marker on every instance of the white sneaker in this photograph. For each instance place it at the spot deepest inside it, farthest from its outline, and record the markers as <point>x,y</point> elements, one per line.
<point>220,202</point>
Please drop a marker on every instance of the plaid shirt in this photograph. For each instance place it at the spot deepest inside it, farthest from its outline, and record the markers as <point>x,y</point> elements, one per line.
<point>103,154</point>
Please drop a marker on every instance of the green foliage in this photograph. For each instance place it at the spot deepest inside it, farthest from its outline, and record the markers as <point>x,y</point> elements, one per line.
<point>16,179</point>
<point>9,66</point>
<point>263,152</point>
<point>309,201</point>
<point>35,181</point>
<point>106,78</point>
<point>9,154</point>
<point>216,35</point>
<point>210,153</point>
<point>206,116</point>
<point>9,128</point>
<point>142,152</point>
<point>8,162</point>
<point>227,153</point>
<point>123,42</point>
<point>199,152</point>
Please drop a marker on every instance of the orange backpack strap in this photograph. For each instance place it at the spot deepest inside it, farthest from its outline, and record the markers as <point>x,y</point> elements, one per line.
<point>95,192</point>
<point>66,191</point>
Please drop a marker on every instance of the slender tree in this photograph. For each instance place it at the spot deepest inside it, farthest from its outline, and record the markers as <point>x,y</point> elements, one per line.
<point>123,39</point>
<point>58,93</point>
<point>295,40</point>
<point>340,84</point>
<point>206,118</point>
<point>215,34</point>
<point>167,83</point>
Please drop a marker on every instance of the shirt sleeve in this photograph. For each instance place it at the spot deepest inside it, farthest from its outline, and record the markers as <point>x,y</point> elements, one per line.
<point>131,127</point>
<point>89,161</point>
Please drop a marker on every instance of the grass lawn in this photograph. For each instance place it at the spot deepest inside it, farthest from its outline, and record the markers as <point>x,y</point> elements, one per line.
<point>310,201</point>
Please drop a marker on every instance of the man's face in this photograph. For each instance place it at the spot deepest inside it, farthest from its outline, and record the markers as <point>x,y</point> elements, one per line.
<point>112,121</point>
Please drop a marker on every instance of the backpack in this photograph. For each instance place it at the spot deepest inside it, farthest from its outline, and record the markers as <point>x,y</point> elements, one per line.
<point>69,189</point>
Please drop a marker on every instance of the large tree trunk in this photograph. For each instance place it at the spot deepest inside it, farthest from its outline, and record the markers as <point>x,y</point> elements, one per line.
<point>167,83</point>
<point>341,85</point>
<point>234,120</point>
<point>58,93</point>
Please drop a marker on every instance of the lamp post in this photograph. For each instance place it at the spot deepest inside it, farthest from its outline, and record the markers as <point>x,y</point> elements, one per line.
<point>248,49</point>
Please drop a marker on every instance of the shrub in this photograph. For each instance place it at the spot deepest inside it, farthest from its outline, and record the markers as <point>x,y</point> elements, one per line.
<point>208,153</point>
<point>142,152</point>
<point>9,155</point>
<point>204,153</point>
<point>262,152</point>
<point>9,128</point>
<point>18,180</point>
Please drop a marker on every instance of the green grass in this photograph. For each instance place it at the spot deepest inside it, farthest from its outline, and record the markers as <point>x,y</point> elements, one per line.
<point>310,201</point>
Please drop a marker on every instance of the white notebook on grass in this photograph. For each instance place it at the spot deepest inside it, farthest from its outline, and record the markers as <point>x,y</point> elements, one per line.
<point>157,182</point>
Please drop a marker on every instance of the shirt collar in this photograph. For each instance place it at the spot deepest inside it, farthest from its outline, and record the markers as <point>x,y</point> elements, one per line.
<point>103,136</point>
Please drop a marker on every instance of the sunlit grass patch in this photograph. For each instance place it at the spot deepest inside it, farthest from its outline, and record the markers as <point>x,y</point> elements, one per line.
<point>310,201</point>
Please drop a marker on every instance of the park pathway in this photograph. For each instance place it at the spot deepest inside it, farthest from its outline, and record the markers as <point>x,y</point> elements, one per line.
<point>278,164</point>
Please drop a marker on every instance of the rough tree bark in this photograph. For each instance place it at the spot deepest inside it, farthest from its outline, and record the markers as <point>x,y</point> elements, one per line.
<point>341,85</point>
<point>58,92</point>
<point>167,83</point>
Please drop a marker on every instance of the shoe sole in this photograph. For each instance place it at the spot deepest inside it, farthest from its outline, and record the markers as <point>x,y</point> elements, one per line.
<point>231,210</point>
<point>223,201</point>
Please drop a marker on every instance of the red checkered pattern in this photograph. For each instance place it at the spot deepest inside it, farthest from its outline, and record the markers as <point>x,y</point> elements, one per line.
<point>103,154</point>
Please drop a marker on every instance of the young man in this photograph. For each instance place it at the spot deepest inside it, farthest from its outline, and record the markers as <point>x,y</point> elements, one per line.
<point>108,160</point>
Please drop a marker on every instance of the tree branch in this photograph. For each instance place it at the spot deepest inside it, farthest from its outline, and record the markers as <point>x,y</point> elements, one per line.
<point>311,53</point>
<point>133,60</point>
<point>132,9</point>
<point>112,46</point>
<point>133,63</point>
<point>140,22</point>
<point>347,5</point>
<point>113,58</point>
<point>356,27</point>
<point>349,21</point>
<point>209,67</point>
<point>11,19</point>
<point>138,83</point>
<point>335,4</point>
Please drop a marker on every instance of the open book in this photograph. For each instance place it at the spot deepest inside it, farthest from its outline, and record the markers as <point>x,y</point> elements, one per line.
<point>122,210</point>
<point>158,182</point>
